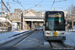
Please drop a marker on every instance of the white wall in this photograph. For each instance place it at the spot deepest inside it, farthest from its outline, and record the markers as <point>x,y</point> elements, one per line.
<point>29,14</point>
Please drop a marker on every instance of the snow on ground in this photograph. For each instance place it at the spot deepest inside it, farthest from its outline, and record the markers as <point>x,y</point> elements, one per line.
<point>4,19</point>
<point>70,38</point>
<point>5,36</point>
<point>21,31</point>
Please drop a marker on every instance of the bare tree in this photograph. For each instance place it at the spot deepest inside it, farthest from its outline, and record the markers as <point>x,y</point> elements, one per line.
<point>71,10</point>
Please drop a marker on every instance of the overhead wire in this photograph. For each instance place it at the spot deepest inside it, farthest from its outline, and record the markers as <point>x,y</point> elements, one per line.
<point>22,6</point>
<point>36,4</point>
<point>28,8</point>
<point>40,2</point>
<point>35,1</point>
<point>56,2</point>
<point>52,4</point>
<point>19,3</point>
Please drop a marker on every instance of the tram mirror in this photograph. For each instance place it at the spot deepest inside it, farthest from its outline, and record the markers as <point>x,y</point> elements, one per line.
<point>64,21</point>
<point>65,24</point>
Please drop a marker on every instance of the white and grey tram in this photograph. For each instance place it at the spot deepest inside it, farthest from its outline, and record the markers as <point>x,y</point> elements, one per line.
<point>54,27</point>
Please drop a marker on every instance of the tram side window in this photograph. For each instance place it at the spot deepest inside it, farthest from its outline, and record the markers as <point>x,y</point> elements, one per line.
<point>46,24</point>
<point>47,27</point>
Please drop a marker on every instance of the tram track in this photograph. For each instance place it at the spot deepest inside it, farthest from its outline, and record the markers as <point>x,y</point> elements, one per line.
<point>15,41</point>
<point>59,45</point>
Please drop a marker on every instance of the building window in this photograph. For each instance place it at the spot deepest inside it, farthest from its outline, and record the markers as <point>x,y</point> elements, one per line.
<point>16,11</point>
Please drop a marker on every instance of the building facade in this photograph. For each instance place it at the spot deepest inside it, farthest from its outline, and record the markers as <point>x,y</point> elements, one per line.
<point>17,13</point>
<point>33,19</point>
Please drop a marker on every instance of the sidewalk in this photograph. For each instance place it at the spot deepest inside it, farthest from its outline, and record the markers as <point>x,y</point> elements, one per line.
<point>71,29</point>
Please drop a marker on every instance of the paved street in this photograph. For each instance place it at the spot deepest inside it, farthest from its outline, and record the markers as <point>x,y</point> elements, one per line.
<point>34,41</point>
<point>2,32</point>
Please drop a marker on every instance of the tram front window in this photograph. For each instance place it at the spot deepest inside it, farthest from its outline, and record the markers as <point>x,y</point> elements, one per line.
<point>55,23</point>
<point>59,26</point>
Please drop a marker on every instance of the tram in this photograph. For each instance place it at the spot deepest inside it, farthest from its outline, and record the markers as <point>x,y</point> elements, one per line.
<point>54,25</point>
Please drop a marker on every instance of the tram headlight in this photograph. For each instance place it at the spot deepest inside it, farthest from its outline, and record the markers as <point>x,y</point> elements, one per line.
<point>62,33</point>
<point>59,20</point>
<point>48,33</point>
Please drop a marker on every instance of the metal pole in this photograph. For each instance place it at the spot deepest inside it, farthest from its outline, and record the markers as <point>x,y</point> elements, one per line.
<point>72,22</point>
<point>1,6</point>
<point>32,25</point>
<point>2,3</point>
<point>22,21</point>
<point>1,10</point>
<point>6,18</point>
<point>9,14</point>
<point>54,8</point>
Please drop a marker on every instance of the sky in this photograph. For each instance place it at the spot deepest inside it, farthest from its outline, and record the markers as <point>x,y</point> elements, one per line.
<point>42,4</point>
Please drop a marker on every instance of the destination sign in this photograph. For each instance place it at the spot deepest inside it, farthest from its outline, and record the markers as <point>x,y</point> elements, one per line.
<point>54,16</point>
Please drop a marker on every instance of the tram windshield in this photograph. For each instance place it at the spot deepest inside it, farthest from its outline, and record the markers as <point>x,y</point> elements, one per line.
<point>55,22</point>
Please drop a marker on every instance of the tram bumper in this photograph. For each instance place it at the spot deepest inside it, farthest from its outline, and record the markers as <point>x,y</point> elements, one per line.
<point>55,37</point>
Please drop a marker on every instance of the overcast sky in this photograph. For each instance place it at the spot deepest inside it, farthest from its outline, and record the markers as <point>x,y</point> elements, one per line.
<point>43,4</point>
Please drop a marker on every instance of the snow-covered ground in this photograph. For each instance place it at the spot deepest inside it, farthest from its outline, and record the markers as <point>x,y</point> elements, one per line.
<point>70,37</point>
<point>8,34</point>
<point>2,20</point>
<point>5,36</point>
<point>21,31</point>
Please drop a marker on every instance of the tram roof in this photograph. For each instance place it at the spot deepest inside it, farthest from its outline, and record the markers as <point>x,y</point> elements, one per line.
<point>54,11</point>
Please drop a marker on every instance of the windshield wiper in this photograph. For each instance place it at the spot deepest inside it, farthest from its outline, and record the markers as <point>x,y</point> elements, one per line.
<point>50,23</point>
